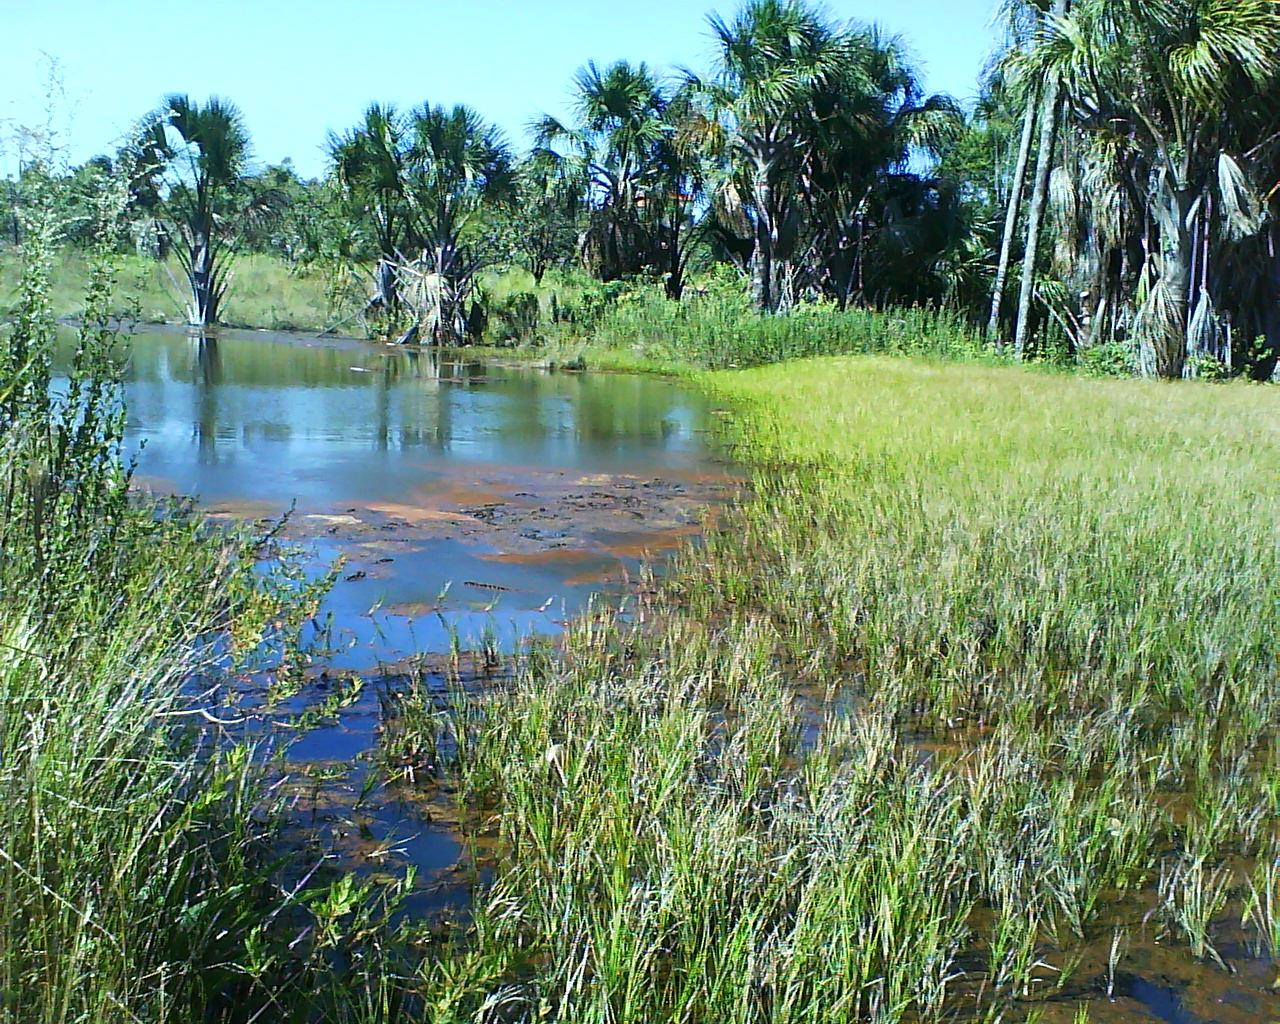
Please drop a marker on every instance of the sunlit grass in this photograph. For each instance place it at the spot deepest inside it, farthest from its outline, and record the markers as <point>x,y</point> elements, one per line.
<point>983,671</point>
<point>264,293</point>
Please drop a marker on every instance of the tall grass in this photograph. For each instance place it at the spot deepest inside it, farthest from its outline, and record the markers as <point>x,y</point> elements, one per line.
<point>718,330</point>
<point>138,875</point>
<point>982,674</point>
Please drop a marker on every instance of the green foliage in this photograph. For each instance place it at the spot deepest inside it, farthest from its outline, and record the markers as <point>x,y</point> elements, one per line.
<point>719,329</point>
<point>514,318</point>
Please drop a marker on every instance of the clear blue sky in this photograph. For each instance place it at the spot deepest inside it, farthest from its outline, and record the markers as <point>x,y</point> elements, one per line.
<point>298,69</point>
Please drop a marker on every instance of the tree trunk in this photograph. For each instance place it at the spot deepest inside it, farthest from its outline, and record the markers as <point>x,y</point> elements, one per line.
<point>1011,217</point>
<point>385,282</point>
<point>768,271</point>
<point>762,257</point>
<point>1039,199</point>
<point>1177,246</point>
<point>1265,366</point>
<point>204,301</point>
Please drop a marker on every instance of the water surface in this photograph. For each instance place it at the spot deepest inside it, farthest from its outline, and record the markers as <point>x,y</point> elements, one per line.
<point>465,497</point>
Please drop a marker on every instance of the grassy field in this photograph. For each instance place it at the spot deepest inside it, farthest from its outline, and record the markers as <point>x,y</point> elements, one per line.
<point>972,709</point>
<point>264,291</point>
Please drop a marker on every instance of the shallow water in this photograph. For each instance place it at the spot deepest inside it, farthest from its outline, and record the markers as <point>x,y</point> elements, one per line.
<point>514,492</point>
<point>253,417</point>
<point>465,500</point>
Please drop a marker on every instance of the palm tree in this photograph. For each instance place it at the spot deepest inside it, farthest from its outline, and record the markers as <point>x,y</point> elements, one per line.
<point>674,202</point>
<point>862,132</point>
<point>772,59</point>
<point>615,146</point>
<point>424,184</point>
<point>1030,95</point>
<point>193,159</point>
<point>456,169</point>
<point>1174,89</point>
<point>1048,116</point>
<point>368,164</point>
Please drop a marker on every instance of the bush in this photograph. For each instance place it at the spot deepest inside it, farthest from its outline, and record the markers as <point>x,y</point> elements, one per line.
<point>514,318</point>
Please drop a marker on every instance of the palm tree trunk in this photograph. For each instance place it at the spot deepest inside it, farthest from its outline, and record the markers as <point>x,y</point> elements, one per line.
<point>762,257</point>
<point>1266,364</point>
<point>203,310</point>
<point>1039,200</point>
<point>1011,217</point>
<point>1177,255</point>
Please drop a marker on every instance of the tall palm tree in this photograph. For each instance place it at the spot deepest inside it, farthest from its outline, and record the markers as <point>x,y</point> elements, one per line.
<point>193,158</point>
<point>674,207</point>
<point>862,132</point>
<point>1049,118</point>
<point>456,169</point>
<point>368,164</point>
<point>1029,90</point>
<point>772,59</point>
<point>1173,86</point>
<point>615,145</point>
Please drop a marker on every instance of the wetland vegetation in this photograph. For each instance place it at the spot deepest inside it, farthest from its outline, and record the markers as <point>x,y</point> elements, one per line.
<point>965,708</point>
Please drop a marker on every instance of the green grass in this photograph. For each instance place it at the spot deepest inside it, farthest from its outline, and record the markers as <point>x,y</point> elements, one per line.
<point>264,292</point>
<point>984,672</point>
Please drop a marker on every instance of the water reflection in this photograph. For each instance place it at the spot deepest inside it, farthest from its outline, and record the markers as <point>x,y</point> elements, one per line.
<point>207,376</point>
<point>235,416</point>
<point>519,492</point>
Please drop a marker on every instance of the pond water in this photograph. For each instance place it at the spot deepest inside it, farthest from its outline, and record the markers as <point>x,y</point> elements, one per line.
<point>464,498</point>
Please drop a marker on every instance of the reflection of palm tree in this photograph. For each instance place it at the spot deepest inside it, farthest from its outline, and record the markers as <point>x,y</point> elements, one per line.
<point>382,403</point>
<point>207,375</point>
<point>423,366</point>
<point>443,439</point>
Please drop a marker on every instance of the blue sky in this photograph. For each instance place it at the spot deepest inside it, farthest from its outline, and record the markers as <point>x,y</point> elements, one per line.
<point>301,68</point>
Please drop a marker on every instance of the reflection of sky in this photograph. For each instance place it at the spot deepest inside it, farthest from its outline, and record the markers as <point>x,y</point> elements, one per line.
<point>254,419</point>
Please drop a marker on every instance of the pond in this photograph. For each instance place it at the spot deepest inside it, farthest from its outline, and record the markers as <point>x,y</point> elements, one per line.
<point>514,492</point>
<point>466,500</point>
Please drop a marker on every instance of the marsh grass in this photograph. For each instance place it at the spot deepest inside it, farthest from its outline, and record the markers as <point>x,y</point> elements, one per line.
<point>981,675</point>
<point>719,330</point>
<point>1034,619</point>
<point>139,876</point>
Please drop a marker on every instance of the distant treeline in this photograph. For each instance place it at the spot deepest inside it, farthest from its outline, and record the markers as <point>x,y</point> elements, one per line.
<point>1112,193</point>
